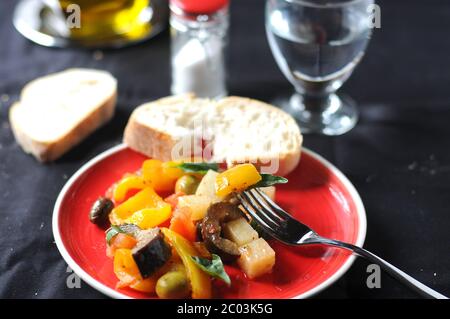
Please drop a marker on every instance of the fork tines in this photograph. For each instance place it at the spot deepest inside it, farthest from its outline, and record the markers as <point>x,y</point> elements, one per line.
<point>273,219</point>
<point>263,210</point>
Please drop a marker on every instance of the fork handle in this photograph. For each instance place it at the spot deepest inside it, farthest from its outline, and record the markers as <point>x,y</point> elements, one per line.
<point>389,268</point>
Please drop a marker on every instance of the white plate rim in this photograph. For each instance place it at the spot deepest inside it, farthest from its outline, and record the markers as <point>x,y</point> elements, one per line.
<point>360,210</point>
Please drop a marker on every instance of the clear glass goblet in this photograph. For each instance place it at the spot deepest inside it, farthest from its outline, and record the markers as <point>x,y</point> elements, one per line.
<point>317,44</point>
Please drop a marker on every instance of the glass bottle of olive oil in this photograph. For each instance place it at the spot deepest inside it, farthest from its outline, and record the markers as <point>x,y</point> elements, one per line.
<point>103,19</point>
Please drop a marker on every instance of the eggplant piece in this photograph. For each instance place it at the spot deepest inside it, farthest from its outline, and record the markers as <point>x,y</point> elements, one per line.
<point>151,252</point>
<point>217,215</point>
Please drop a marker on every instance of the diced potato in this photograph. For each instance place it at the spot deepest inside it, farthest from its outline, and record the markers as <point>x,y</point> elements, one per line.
<point>197,203</point>
<point>236,179</point>
<point>239,231</point>
<point>269,191</point>
<point>257,258</point>
<point>207,186</point>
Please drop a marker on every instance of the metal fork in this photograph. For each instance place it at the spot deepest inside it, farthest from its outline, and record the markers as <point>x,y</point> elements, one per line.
<point>282,226</point>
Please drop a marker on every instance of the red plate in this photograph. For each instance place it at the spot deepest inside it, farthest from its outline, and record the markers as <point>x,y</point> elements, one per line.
<point>317,194</point>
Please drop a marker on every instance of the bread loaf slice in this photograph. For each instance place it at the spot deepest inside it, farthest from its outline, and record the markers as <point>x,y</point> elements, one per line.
<point>232,130</point>
<point>58,111</point>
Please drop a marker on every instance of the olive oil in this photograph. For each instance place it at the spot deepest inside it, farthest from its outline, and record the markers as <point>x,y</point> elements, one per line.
<point>103,19</point>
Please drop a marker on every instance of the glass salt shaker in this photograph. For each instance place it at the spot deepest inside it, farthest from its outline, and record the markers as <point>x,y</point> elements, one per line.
<point>198,39</point>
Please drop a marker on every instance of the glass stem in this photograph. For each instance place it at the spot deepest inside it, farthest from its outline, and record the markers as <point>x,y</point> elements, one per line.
<point>312,103</point>
<point>316,103</point>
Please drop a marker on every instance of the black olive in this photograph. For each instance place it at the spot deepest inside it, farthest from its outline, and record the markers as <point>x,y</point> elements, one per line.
<point>217,215</point>
<point>100,211</point>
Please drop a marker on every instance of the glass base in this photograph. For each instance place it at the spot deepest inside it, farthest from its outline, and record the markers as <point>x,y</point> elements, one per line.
<point>38,23</point>
<point>335,117</point>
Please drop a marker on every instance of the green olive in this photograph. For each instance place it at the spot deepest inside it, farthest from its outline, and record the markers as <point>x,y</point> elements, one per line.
<point>173,285</point>
<point>186,184</point>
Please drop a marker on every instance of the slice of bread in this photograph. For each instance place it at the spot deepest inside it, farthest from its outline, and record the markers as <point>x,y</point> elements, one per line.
<point>232,130</point>
<point>59,110</point>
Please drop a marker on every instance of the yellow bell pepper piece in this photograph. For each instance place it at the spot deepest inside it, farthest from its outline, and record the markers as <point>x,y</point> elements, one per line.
<point>151,217</point>
<point>236,179</point>
<point>170,170</point>
<point>161,176</point>
<point>128,272</point>
<point>114,219</point>
<point>200,281</point>
<point>125,267</point>
<point>147,285</point>
<point>146,198</point>
<point>125,184</point>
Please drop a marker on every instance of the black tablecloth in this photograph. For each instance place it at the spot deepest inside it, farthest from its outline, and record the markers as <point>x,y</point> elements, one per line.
<point>398,156</point>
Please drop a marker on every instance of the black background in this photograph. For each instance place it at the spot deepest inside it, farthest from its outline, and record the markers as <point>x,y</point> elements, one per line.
<point>398,156</point>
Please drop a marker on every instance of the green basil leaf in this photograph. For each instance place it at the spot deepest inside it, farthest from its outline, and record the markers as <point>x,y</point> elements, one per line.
<point>201,168</point>
<point>213,267</point>
<point>270,180</point>
<point>129,229</point>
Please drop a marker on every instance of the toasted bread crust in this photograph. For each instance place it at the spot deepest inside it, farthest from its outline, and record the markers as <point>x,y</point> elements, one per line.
<point>52,150</point>
<point>148,141</point>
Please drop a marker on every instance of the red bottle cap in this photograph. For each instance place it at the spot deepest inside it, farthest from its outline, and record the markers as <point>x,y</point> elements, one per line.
<point>199,6</point>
